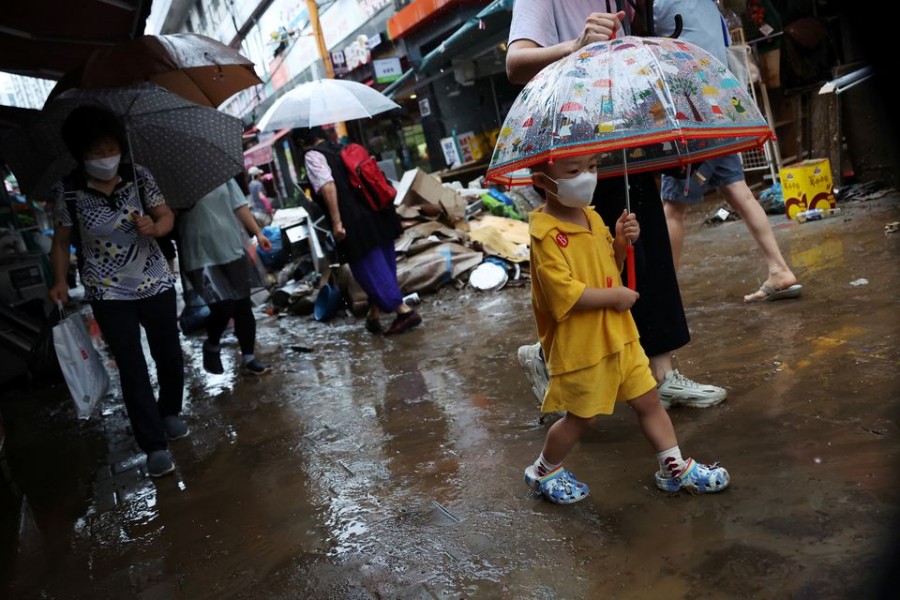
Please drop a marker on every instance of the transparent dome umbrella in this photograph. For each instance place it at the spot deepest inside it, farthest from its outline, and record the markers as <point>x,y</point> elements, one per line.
<point>640,103</point>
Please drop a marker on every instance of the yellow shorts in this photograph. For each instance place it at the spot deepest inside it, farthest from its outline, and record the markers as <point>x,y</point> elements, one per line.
<point>595,390</point>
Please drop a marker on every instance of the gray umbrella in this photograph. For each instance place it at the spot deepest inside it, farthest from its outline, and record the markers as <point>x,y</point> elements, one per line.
<point>189,149</point>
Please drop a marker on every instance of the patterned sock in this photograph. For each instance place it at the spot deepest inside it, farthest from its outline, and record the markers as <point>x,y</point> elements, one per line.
<point>670,462</point>
<point>248,358</point>
<point>543,466</point>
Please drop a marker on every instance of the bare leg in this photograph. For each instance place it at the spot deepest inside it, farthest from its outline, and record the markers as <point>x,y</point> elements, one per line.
<point>660,365</point>
<point>654,421</point>
<point>675,212</point>
<point>742,200</point>
<point>563,435</point>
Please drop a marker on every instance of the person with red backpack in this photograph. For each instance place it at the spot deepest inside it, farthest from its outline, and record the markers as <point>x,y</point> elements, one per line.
<point>359,209</point>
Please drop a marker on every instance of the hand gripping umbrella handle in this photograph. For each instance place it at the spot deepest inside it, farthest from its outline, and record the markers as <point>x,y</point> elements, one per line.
<point>629,264</point>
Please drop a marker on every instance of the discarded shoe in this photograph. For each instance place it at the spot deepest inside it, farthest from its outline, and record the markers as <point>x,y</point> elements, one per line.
<point>770,294</point>
<point>535,370</point>
<point>678,390</point>
<point>159,463</point>
<point>175,427</point>
<point>212,361</point>
<point>404,322</point>
<point>697,478</point>
<point>558,486</point>
<point>255,367</point>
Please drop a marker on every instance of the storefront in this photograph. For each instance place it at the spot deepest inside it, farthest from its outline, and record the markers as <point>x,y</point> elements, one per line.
<point>274,155</point>
<point>457,79</point>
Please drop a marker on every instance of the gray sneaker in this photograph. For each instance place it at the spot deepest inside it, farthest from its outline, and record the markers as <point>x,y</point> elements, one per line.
<point>678,390</point>
<point>159,463</point>
<point>175,427</point>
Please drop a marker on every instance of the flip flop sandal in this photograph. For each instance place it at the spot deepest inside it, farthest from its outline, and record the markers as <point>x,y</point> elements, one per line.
<point>561,487</point>
<point>771,294</point>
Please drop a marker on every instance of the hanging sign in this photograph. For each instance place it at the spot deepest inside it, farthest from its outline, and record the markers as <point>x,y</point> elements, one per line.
<point>357,53</point>
<point>387,70</point>
<point>451,156</point>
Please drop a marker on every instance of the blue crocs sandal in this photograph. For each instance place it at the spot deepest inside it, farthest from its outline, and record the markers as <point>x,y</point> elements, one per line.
<point>558,486</point>
<point>697,478</point>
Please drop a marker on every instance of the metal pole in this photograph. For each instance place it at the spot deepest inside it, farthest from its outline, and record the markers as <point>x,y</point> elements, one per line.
<point>313,10</point>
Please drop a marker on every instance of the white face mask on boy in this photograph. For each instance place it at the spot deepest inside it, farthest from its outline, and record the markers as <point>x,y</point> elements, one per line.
<point>578,191</point>
<point>103,169</point>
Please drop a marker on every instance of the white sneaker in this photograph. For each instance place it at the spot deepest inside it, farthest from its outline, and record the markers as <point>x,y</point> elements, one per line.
<point>535,370</point>
<point>678,390</point>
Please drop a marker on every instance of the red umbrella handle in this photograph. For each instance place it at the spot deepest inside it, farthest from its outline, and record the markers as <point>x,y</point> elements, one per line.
<point>629,262</point>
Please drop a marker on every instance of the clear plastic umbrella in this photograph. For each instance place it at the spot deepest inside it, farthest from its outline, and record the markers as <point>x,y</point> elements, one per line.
<point>640,103</point>
<point>322,102</point>
<point>643,104</point>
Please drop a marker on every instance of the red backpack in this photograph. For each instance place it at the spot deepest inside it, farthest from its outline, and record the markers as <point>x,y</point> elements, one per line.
<point>366,176</point>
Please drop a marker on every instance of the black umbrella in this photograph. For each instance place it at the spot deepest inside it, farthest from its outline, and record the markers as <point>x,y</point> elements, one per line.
<point>189,149</point>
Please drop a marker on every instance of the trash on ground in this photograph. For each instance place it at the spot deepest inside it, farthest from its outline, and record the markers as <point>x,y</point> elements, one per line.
<point>870,190</point>
<point>721,215</point>
<point>772,200</point>
<point>859,282</point>
<point>807,185</point>
<point>493,243</point>
<point>488,276</point>
<point>892,227</point>
<point>816,214</point>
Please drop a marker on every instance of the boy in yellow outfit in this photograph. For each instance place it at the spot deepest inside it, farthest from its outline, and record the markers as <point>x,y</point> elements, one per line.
<point>588,335</point>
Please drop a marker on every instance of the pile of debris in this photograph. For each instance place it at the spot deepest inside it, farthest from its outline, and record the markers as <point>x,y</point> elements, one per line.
<point>453,236</point>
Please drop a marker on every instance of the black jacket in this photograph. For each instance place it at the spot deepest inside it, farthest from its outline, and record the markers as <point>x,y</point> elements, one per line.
<point>366,229</point>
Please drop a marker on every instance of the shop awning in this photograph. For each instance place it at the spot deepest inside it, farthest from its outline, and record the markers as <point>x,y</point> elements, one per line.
<point>486,22</point>
<point>261,153</point>
<point>419,13</point>
<point>48,38</point>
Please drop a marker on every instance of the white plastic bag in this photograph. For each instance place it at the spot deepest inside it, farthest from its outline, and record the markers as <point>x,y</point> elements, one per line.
<point>741,64</point>
<point>80,363</point>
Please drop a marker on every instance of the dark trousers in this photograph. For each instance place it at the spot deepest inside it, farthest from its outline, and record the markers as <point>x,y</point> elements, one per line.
<point>244,322</point>
<point>121,322</point>
<point>658,313</point>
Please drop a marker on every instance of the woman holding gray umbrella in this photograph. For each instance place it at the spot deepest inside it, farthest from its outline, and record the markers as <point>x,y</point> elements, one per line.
<point>113,212</point>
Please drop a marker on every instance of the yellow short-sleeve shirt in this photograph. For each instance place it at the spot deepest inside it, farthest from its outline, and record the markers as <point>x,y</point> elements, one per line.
<point>565,260</point>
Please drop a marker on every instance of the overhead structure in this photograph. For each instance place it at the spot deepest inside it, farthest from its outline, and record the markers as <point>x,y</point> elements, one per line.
<point>48,38</point>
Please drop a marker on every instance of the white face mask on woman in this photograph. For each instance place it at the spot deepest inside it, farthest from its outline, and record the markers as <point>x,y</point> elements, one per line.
<point>103,169</point>
<point>578,191</point>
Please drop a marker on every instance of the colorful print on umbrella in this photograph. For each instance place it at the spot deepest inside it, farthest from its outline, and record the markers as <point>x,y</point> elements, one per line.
<point>642,103</point>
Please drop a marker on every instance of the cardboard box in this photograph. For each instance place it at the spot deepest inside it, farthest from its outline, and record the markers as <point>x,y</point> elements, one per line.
<point>453,204</point>
<point>417,187</point>
<point>807,185</point>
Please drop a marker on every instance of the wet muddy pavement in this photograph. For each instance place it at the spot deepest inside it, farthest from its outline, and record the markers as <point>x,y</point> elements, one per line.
<point>368,467</point>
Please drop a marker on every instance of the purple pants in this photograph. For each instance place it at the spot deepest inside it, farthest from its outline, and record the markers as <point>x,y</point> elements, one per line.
<point>376,273</point>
